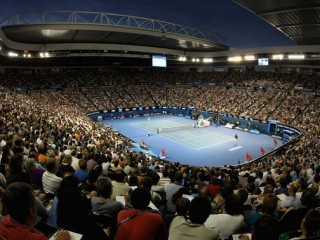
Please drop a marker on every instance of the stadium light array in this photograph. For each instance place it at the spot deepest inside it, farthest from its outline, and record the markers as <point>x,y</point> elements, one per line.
<point>182,59</point>
<point>235,59</point>
<point>277,56</point>
<point>12,54</point>
<point>195,60</point>
<point>249,58</point>
<point>207,60</point>
<point>27,55</point>
<point>296,56</point>
<point>44,54</point>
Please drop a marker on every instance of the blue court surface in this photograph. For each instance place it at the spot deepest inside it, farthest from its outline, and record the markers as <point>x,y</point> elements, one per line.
<point>209,146</point>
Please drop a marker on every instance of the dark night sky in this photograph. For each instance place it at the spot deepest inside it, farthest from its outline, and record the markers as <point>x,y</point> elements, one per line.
<point>235,26</point>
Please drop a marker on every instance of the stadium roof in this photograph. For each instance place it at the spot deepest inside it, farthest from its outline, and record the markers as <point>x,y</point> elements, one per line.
<point>60,30</point>
<point>299,20</point>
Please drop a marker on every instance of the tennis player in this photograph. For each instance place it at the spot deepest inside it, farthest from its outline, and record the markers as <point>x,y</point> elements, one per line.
<point>236,138</point>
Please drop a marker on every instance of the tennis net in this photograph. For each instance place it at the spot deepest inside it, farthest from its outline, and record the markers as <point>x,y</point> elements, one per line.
<point>175,128</point>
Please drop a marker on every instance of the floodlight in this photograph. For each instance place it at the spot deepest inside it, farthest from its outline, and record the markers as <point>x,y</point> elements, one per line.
<point>12,54</point>
<point>235,59</point>
<point>296,56</point>
<point>277,56</point>
<point>207,60</point>
<point>249,57</point>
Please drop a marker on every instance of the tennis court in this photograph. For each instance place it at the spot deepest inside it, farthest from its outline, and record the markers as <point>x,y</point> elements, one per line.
<point>209,146</point>
<point>188,135</point>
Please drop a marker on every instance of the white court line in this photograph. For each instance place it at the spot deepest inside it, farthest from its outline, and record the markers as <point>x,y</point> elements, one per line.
<point>142,125</point>
<point>155,123</point>
<point>210,134</point>
<point>234,148</point>
<point>219,134</point>
<point>197,146</point>
<point>184,141</point>
<point>152,122</point>
<point>214,144</point>
<point>179,142</point>
<point>144,128</point>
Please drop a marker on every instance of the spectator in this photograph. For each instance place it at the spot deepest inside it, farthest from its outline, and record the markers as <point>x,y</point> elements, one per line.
<point>269,206</point>
<point>172,188</point>
<point>103,204</point>
<point>119,186</point>
<point>138,223</point>
<point>73,211</point>
<point>89,186</point>
<point>283,186</point>
<point>65,166</point>
<point>35,173</point>
<point>50,181</point>
<point>213,187</point>
<point>230,221</point>
<point>155,197</point>
<point>265,228</point>
<point>292,218</point>
<point>21,208</point>
<point>82,173</point>
<point>310,225</point>
<point>17,172</point>
<point>291,200</point>
<point>199,210</point>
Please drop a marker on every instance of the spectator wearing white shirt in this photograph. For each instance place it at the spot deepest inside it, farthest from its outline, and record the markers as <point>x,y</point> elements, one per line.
<point>50,181</point>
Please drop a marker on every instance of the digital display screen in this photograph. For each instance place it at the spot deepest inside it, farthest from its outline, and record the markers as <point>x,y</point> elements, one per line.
<point>159,61</point>
<point>263,61</point>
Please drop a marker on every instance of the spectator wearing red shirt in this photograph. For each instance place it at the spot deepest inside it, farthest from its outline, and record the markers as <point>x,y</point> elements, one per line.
<point>20,204</point>
<point>138,223</point>
<point>213,187</point>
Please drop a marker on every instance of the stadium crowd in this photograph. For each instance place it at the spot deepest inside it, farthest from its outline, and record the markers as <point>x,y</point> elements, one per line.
<point>80,176</point>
